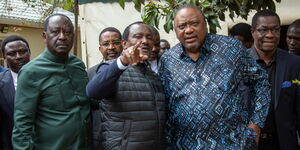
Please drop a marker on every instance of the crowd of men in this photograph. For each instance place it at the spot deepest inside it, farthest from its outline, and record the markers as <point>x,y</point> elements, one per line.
<point>208,91</point>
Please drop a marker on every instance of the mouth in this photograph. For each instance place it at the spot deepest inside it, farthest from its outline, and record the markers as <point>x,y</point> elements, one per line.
<point>62,46</point>
<point>112,54</point>
<point>292,48</point>
<point>20,64</point>
<point>269,43</point>
<point>145,48</point>
<point>190,39</point>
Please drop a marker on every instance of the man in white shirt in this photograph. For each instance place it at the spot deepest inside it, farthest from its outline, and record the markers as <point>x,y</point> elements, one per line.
<point>153,57</point>
<point>16,52</point>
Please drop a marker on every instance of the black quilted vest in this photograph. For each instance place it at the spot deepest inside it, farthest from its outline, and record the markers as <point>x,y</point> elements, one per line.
<point>134,118</point>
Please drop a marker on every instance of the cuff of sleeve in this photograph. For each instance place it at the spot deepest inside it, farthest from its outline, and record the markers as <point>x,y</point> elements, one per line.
<point>120,65</point>
<point>261,124</point>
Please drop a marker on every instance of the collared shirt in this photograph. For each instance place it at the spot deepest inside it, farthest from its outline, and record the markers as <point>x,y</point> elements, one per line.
<point>270,125</point>
<point>52,110</point>
<point>15,78</point>
<point>205,103</point>
<point>153,65</point>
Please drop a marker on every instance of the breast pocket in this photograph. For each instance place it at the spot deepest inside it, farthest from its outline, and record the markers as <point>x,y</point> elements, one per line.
<point>51,98</point>
<point>60,96</point>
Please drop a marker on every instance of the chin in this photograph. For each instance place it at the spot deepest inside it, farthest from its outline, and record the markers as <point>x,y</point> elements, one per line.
<point>193,47</point>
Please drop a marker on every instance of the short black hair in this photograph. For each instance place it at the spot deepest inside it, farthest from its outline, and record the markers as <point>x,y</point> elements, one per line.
<point>263,13</point>
<point>296,23</point>
<point>190,6</point>
<point>242,29</point>
<point>127,29</point>
<point>164,40</point>
<point>154,31</point>
<point>46,23</point>
<point>110,29</point>
<point>11,39</point>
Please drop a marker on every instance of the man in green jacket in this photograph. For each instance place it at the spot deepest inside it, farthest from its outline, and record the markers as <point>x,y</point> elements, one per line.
<point>51,107</point>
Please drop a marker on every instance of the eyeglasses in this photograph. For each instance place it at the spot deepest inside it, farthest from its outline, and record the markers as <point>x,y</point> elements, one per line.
<point>113,43</point>
<point>264,31</point>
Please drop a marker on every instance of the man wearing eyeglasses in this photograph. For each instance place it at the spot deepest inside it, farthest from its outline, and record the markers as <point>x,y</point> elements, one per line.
<point>110,47</point>
<point>283,120</point>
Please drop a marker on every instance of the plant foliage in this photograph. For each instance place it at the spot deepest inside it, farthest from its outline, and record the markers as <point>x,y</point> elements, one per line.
<point>213,10</point>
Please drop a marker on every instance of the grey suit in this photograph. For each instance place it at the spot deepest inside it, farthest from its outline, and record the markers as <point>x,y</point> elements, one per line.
<point>7,96</point>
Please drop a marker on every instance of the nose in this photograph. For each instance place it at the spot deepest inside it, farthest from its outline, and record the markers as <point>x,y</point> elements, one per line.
<point>111,46</point>
<point>144,40</point>
<point>189,29</point>
<point>292,42</point>
<point>62,35</point>
<point>270,33</point>
<point>18,55</point>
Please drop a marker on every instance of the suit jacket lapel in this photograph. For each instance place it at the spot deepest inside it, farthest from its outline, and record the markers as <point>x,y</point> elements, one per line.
<point>279,75</point>
<point>8,89</point>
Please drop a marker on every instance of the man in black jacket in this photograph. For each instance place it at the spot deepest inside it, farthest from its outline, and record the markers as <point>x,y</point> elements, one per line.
<point>283,121</point>
<point>132,98</point>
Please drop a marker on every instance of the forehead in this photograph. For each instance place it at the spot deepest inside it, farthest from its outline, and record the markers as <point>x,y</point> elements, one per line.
<point>109,35</point>
<point>58,22</point>
<point>139,29</point>
<point>267,21</point>
<point>14,45</point>
<point>188,14</point>
<point>294,31</point>
<point>164,44</point>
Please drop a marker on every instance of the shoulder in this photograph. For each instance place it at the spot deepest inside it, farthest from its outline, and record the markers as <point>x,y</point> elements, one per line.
<point>76,61</point>
<point>173,52</point>
<point>215,42</point>
<point>93,69</point>
<point>291,59</point>
<point>4,75</point>
<point>222,39</point>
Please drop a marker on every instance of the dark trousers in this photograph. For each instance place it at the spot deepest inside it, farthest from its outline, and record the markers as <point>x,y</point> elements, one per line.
<point>270,143</point>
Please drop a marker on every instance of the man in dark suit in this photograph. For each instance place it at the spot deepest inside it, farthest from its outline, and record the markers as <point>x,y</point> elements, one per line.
<point>16,52</point>
<point>283,121</point>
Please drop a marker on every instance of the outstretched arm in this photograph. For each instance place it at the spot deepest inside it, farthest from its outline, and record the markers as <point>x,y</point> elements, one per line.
<point>104,83</point>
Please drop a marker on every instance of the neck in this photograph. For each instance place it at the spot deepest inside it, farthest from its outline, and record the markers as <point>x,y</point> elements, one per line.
<point>194,55</point>
<point>266,56</point>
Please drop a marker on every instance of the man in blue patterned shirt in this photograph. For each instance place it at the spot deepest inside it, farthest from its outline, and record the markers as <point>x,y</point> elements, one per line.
<point>203,77</point>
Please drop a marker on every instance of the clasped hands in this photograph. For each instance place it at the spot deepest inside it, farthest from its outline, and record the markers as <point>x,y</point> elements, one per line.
<point>133,55</point>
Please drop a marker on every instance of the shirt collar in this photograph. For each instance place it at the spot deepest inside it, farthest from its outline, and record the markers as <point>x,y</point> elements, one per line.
<point>253,52</point>
<point>204,49</point>
<point>54,58</point>
<point>15,78</point>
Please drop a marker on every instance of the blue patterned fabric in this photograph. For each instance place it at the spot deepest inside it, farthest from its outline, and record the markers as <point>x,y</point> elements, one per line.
<point>211,100</point>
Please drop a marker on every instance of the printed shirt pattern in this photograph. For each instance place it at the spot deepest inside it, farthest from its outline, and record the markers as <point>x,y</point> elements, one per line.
<point>211,100</point>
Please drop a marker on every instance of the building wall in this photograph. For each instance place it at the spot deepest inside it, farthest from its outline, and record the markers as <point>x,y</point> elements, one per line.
<point>32,35</point>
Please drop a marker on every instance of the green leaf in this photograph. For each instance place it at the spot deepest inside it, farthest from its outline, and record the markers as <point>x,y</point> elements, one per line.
<point>137,5</point>
<point>122,3</point>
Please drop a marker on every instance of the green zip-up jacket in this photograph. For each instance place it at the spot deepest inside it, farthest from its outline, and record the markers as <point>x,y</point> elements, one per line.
<point>52,111</point>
